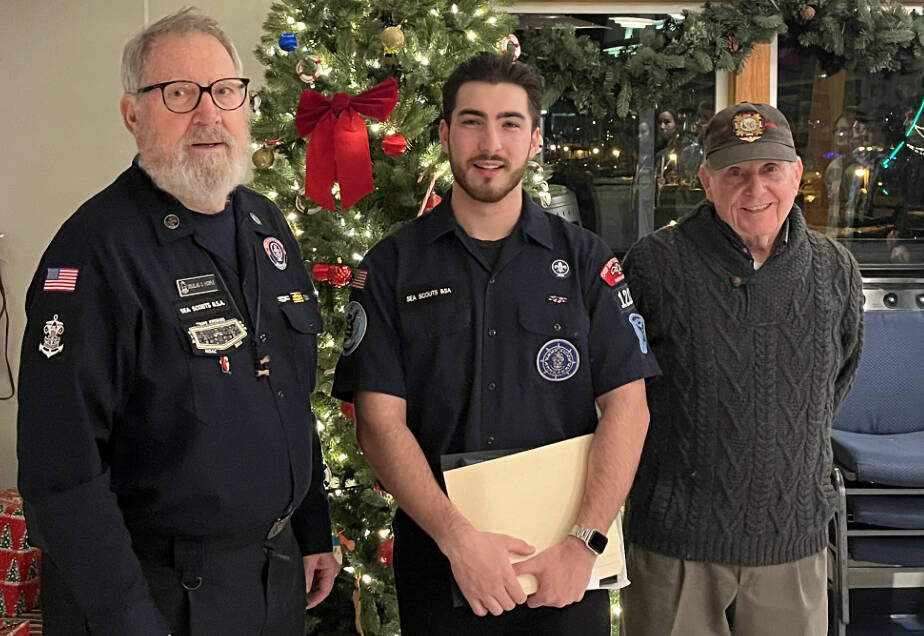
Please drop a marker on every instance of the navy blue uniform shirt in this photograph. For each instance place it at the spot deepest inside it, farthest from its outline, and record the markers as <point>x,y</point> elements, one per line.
<point>140,408</point>
<point>492,358</point>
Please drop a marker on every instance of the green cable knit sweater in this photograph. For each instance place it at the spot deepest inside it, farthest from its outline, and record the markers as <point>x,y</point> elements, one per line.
<point>736,467</point>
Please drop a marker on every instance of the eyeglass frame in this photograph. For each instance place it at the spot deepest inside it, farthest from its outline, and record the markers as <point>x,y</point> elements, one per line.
<point>202,89</point>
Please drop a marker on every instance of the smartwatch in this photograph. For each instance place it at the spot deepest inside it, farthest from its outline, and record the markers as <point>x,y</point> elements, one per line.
<point>594,539</point>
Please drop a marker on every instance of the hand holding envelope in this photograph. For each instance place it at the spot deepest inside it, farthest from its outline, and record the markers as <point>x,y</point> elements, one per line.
<point>535,495</point>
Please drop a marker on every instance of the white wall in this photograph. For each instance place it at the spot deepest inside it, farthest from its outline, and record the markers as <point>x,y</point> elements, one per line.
<point>62,134</point>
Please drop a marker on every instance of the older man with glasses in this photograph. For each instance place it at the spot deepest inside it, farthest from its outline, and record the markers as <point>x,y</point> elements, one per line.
<point>168,455</point>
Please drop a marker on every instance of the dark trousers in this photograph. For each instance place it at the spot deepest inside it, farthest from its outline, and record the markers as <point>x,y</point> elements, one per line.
<point>204,588</point>
<point>425,603</point>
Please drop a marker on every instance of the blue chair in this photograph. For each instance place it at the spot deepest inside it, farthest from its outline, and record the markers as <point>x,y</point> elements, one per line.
<point>877,538</point>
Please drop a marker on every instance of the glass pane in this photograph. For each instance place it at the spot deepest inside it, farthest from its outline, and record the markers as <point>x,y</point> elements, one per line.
<point>633,175</point>
<point>861,138</point>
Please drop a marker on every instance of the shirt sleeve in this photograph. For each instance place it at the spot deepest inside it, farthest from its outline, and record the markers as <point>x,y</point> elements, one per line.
<point>311,520</point>
<point>371,358</point>
<point>620,352</point>
<point>75,372</point>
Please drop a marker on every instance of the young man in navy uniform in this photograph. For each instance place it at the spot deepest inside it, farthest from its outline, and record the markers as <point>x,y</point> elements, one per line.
<point>489,324</point>
<point>168,455</point>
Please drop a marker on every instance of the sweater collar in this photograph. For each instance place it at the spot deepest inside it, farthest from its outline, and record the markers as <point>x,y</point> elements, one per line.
<point>706,227</point>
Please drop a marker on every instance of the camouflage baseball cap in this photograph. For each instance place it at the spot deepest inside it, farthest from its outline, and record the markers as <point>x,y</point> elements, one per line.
<point>746,132</point>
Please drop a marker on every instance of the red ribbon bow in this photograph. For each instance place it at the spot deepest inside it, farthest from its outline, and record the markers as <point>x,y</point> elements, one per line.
<point>336,275</point>
<point>337,130</point>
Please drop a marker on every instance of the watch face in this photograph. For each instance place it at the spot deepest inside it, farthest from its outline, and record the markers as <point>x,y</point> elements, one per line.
<point>597,542</point>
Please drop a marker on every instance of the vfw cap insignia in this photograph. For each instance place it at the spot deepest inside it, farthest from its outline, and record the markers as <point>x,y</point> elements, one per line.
<point>748,126</point>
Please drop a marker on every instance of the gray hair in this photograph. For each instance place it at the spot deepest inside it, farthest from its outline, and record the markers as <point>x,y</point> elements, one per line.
<point>187,20</point>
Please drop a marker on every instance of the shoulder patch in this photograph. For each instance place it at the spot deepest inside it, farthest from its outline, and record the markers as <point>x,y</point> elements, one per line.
<point>612,272</point>
<point>355,327</point>
<point>61,279</point>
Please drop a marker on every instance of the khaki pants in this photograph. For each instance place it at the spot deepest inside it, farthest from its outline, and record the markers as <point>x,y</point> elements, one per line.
<point>671,597</point>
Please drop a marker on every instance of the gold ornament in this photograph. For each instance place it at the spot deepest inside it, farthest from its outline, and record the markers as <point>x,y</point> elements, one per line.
<point>733,44</point>
<point>393,39</point>
<point>807,12</point>
<point>263,158</point>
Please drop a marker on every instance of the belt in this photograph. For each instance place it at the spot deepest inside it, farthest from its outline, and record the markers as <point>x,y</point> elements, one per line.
<point>185,553</point>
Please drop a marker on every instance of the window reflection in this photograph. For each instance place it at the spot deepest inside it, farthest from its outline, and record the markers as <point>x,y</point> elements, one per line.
<point>633,175</point>
<point>861,138</point>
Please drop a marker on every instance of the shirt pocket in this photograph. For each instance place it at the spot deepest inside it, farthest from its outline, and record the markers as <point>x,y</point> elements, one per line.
<point>218,344</point>
<point>554,321</point>
<point>437,319</point>
<point>554,342</point>
<point>304,323</point>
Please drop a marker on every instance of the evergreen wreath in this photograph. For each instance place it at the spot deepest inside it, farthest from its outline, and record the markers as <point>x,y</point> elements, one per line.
<point>868,36</point>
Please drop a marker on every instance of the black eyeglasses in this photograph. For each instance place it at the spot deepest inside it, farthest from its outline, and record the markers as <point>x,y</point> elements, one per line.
<point>183,96</point>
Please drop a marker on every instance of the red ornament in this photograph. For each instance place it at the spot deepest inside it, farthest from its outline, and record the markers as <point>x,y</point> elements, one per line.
<point>386,552</point>
<point>394,145</point>
<point>432,202</point>
<point>336,275</point>
<point>348,410</point>
<point>379,488</point>
<point>338,150</point>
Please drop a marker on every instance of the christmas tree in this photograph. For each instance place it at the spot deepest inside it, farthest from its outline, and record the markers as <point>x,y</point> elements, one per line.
<point>352,46</point>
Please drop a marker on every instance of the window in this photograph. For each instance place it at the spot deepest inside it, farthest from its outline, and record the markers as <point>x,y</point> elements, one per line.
<point>861,138</point>
<point>627,176</point>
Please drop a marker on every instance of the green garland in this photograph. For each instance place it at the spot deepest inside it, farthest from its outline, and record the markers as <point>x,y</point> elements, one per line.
<point>862,35</point>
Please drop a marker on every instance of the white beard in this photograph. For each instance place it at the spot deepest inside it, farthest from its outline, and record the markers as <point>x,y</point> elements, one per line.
<point>199,182</point>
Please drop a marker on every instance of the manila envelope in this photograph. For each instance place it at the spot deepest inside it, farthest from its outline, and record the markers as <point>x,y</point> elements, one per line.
<point>535,495</point>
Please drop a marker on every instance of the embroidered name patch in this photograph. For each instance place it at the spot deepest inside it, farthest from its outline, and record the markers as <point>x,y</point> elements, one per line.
<point>638,323</point>
<point>191,308</point>
<point>355,327</point>
<point>558,360</point>
<point>195,285</point>
<point>428,293</point>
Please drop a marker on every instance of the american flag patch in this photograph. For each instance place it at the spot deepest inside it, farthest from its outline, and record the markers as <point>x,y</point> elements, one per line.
<point>359,279</point>
<point>62,279</point>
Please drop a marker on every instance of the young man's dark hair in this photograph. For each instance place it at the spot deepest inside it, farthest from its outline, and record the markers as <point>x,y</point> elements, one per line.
<point>494,69</point>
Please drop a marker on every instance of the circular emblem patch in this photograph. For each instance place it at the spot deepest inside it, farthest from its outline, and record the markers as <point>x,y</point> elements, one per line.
<point>560,268</point>
<point>748,126</point>
<point>355,327</point>
<point>275,251</point>
<point>558,360</point>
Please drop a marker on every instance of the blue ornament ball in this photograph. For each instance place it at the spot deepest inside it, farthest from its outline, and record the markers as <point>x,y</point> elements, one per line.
<point>287,42</point>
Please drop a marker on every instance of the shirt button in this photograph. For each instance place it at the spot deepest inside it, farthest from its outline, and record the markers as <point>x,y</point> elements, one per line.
<point>556,327</point>
<point>490,440</point>
<point>280,394</point>
<point>737,281</point>
<point>491,332</point>
<point>262,337</point>
<point>491,386</point>
<point>491,281</point>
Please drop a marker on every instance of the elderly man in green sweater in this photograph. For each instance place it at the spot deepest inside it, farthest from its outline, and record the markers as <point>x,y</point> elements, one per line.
<point>756,321</point>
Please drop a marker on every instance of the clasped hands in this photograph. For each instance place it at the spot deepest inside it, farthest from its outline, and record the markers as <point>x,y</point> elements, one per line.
<point>481,566</point>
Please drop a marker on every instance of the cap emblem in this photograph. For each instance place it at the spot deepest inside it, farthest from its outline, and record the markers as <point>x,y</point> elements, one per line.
<point>748,126</point>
